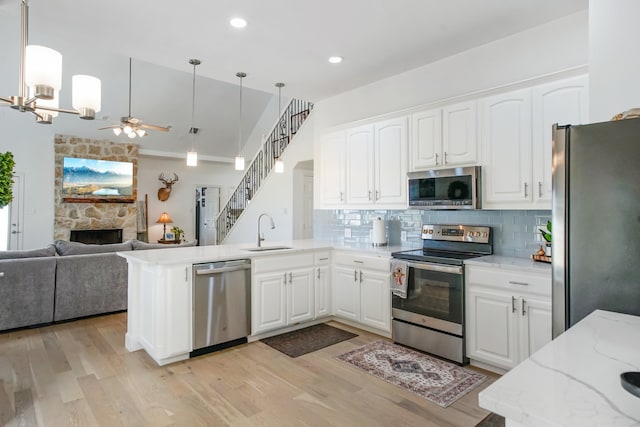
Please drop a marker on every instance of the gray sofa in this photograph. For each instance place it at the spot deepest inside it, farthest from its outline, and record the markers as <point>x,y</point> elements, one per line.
<point>64,281</point>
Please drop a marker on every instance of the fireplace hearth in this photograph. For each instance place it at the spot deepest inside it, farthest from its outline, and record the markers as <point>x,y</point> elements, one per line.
<point>100,237</point>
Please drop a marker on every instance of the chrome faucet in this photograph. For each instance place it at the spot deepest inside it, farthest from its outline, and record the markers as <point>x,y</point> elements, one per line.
<point>273,225</point>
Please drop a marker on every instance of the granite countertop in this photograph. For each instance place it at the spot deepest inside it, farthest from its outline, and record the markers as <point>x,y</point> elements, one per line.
<point>511,263</point>
<point>575,379</point>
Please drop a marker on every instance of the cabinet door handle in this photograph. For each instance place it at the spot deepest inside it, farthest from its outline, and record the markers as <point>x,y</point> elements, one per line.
<point>445,158</point>
<point>186,274</point>
<point>526,186</point>
<point>518,283</point>
<point>437,159</point>
<point>539,188</point>
<point>318,273</point>
<point>377,196</point>
<point>524,311</point>
<point>369,195</point>
<point>513,304</point>
<point>360,276</point>
<point>355,275</point>
<point>290,278</point>
<point>341,196</point>
<point>285,278</point>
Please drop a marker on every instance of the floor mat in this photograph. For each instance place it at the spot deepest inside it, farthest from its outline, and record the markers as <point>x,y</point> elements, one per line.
<point>307,340</point>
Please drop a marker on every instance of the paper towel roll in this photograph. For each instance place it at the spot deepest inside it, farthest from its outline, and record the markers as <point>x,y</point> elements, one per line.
<point>378,235</point>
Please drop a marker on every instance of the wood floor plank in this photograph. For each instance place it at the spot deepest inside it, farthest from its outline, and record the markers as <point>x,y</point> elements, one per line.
<point>80,374</point>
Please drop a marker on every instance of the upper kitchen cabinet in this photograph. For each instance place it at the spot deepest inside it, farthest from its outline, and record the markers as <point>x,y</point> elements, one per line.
<point>444,137</point>
<point>517,144</point>
<point>332,168</point>
<point>562,102</point>
<point>506,139</point>
<point>376,164</point>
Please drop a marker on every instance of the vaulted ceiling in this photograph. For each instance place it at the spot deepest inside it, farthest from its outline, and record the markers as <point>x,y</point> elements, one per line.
<point>285,40</point>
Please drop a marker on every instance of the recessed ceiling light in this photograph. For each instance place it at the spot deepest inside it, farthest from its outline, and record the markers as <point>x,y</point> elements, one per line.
<point>335,59</point>
<point>238,22</point>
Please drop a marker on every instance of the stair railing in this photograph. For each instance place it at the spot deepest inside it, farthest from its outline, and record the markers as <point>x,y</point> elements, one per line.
<point>262,164</point>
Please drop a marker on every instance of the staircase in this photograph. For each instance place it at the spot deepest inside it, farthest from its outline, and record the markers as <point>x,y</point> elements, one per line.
<point>283,132</point>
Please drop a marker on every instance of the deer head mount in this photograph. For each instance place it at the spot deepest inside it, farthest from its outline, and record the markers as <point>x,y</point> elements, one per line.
<point>165,192</point>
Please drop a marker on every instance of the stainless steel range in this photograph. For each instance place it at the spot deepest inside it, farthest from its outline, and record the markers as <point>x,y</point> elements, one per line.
<point>431,317</point>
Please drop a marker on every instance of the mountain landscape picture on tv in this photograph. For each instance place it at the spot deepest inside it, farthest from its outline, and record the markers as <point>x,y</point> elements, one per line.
<point>96,178</point>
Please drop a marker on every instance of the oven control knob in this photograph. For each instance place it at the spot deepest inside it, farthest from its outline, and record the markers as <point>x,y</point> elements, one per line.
<point>477,234</point>
<point>431,231</point>
<point>470,233</point>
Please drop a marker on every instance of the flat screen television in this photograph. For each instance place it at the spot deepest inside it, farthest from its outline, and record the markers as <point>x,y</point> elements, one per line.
<point>93,180</point>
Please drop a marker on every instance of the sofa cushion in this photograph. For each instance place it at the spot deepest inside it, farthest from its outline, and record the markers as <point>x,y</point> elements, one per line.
<point>138,245</point>
<point>31,253</point>
<point>76,248</point>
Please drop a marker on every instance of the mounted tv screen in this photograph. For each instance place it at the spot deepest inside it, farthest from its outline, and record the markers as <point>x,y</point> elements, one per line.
<point>91,180</point>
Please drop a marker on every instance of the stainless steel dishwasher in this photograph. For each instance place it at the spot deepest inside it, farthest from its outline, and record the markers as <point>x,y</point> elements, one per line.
<point>221,305</point>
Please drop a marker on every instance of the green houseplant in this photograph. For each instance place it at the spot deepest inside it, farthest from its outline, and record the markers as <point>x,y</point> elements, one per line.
<point>546,235</point>
<point>178,232</point>
<point>6,178</point>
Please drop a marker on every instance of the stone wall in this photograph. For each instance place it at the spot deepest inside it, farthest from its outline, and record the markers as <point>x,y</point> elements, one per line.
<point>75,216</point>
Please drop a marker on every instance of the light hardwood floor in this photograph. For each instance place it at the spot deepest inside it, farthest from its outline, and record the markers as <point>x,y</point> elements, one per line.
<point>80,374</point>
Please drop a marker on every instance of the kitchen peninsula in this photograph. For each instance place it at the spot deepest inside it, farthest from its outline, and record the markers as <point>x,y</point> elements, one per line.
<point>160,296</point>
<point>575,379</point>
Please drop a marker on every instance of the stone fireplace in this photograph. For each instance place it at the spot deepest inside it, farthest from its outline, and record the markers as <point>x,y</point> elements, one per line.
<point>100,237</point>
<point>92,216</point>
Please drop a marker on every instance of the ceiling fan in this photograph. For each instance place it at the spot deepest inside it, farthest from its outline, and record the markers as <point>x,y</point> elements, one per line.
<point>133,126</point>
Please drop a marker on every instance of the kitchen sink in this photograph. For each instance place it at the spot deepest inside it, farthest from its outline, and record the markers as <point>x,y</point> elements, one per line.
<point>268,248</point>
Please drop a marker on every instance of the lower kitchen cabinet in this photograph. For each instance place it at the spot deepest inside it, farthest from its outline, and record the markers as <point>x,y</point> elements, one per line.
<point>508,315</point>
<point>282,291</point>
<point>361,290</point>
<point>322,284</point>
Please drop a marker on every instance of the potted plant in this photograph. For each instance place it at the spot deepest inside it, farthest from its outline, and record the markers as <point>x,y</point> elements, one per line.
<point>546,235</point>
<point>178,232</point>
<point>6,178</point>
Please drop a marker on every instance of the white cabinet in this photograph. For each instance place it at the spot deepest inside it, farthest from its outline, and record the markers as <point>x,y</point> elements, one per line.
<point>562,102</point>
<point>365,166</point>
<point>361,290</point>
<point>517,144</point>
<point>506,149</point>
<point>332,169</point>
<point>159,318</point>
<point>444,137</point>
<point>508,315</point>
<point>322,284</point>
<point>282,291</point>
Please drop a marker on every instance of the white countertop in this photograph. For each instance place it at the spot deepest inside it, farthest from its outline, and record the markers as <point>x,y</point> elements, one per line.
<point>198,254</point>
<point>510,263</point>
<point>575,379</point>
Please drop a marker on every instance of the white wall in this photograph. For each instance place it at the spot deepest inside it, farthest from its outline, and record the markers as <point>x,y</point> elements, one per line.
<point>614,63</point>
<point>181,203</point>
<point>549,48</point>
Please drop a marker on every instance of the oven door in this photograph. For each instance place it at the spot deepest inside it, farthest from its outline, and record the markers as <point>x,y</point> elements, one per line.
<point>435,297</point>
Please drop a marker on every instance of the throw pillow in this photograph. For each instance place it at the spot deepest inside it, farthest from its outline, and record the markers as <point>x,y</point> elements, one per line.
<point>76,248</point>
<point>31,253</point>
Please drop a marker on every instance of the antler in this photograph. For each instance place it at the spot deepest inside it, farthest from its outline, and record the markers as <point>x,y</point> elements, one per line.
<point>168,182</point>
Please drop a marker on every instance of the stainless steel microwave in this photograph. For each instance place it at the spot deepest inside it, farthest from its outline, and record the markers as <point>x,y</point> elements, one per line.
<point>455,188</point>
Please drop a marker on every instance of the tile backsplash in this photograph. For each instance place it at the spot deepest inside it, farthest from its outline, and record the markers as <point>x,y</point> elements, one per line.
<point>515,232</point>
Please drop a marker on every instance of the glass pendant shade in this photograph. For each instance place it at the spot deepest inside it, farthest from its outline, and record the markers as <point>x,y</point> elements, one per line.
<point>86,92</point>
<point>239,163</point>
<point>51,103</point>
<point>279,166</point>
<point>192,158</point>
<point>43,71</point>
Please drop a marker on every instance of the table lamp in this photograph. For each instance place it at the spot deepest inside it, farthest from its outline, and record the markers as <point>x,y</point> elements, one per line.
<point>164,220</point>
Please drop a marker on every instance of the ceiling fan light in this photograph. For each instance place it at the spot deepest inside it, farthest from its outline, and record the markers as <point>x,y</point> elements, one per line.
<point>43,71</point>
<point>131,135</point>
<point>127,129</point>
<point>141,132</point>
<point>192,158</point>
<point>86,94</point>
<point>279,165</point>
<point>239,163</point>
<point>117,131</point>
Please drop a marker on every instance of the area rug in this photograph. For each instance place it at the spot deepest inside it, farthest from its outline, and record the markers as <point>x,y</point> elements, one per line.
<point>492,420</point>
<point>436,380</point>
<point>307,340</point>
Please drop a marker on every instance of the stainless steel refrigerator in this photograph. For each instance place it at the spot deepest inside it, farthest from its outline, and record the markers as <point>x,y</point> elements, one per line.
<point>596,220</point>
<point>207,208</point>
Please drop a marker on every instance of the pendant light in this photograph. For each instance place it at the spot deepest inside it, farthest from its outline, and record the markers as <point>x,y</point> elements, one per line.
<point>279,164</point>
<point>240,158</point>
<point>192,154</point>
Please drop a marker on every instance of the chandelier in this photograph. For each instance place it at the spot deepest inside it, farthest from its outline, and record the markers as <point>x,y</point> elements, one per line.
<point>40,80</point>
